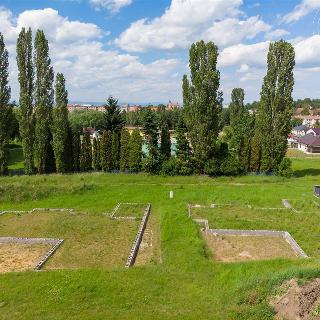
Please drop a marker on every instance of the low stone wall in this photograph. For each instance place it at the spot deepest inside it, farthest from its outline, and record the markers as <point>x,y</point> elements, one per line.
<point>37,209</point>
<point>282,234</point>
<point>56,244</point>
<point>136,244</point>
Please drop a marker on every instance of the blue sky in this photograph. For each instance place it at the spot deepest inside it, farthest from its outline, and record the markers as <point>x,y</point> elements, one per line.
<point>137,50</point>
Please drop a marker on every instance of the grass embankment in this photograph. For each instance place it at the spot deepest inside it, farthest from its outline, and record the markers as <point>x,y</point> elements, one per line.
<point>187,285</point>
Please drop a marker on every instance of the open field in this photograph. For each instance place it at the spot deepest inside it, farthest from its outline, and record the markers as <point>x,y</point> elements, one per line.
<point>230,248</point>
<point>187,284</point>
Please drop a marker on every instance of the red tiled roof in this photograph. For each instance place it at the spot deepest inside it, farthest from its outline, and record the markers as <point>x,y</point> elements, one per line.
<point>310,140</point>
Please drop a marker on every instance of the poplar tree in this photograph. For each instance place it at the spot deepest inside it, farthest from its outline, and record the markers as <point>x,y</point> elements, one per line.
<point>76,148</point>
<point>68,152</point>
<point>86,153</point>
<point>26,83</point>
<point>276,104</point>
<point>203,101</point>
<point>124,149</point>
<point>43,100</point>
<point>95,154</point>
<point>5,109</point>
<point>183,150</point>
<point>115,151</point>
<point>135,151</point>
<point>60,124</point>
<point>106,151</point>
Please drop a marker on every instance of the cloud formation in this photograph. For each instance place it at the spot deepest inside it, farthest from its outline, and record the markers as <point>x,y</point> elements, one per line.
<point>111,5</point>
<point>301,10</point>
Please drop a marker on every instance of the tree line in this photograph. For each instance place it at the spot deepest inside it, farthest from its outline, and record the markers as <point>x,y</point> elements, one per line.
<point>210,139</point>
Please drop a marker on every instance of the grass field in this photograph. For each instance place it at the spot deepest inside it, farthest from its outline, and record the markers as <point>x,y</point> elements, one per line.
<point>187,283</point>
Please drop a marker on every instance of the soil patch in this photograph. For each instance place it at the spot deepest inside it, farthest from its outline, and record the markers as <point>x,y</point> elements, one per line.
<point>233,248</point>
<point>298,302</point>
<point>20,256</point>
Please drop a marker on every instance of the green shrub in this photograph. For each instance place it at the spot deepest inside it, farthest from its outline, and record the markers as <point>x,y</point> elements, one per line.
<point>285,168</point>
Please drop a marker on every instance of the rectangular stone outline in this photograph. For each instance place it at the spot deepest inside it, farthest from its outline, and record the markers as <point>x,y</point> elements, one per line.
<point>284,234</point>
<point>56,244</point>
<point>136,244</point>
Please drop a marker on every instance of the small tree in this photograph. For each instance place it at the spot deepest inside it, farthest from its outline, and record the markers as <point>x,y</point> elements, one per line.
<point>124,149</point>
<point>68,152</point>
<point>76,148</point>
<point>106,151</point>
<point>115,151</point>
<point>86,153</point>
<point>135,151</point>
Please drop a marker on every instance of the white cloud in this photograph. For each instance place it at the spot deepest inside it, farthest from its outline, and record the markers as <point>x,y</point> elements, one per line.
<point>301,10</point>
<point>308,51</point>
<point>187,21</point>
<point>276,34</point>
<point>111,5</point>
<point>92,72</point>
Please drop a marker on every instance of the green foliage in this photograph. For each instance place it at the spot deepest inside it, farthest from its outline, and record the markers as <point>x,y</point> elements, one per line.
<point>26,82</point>
<point>165,142</point>
<point>113,119</point>
<point>76,149</point>
<point>68,152</point>
<point>80,119</point>
<point>276,106</point>
<point>60,123</point>
<point>231,166</point>
<point>115,151</point>
<point>5,109</point>
<point>96,154</point>
<point>106,151</point>
<point>124,150</point>
<point>44,96</point>
<point>212,167</point>
<point>204,101</point>
<point>135,151</point>
<point>86,153</point>
<point>170,167</point>
<point>285,168</point>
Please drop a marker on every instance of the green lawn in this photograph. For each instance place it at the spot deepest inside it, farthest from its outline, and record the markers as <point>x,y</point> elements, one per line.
<point>15,160</point>
<point>90,240</point>
<point>187,284</point>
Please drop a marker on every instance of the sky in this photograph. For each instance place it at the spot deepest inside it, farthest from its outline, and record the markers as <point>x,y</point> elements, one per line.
<point>137,50</point>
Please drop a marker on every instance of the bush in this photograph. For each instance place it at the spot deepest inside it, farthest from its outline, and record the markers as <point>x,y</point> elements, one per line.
<point>151,165</point>
<point>285,168</point>
<point>231,166</point>
<point>211,167</point>
<point>170,167</point>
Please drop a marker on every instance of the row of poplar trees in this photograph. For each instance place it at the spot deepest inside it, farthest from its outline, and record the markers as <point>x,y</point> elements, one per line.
<point>255,143</point>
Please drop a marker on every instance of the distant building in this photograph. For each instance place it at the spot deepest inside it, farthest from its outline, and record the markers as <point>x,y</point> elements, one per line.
<point>309,143</point>
<point>299,130</point>
<point>173,105</point>
<point>84,107</point>
<point>309,121</point>
<point>314,131</point>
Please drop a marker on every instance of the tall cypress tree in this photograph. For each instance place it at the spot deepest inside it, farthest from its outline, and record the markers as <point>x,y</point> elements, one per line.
<point>76,149</point>
<point>60,124</point>
<point>135,151</point>
<point>203,101</point>
<point>26,82</point>
<point>43,100</point>
<point>276,104</point>
<point>95,154</point>
<point>86,153</point>
<point>183,150</point>
<point>165,142</point>
<point>68,152</point>
<point>124,149</point>
<point>5,109</point>
<point>106,151</point>
<point>113,118</point>
<point>115,151</point>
